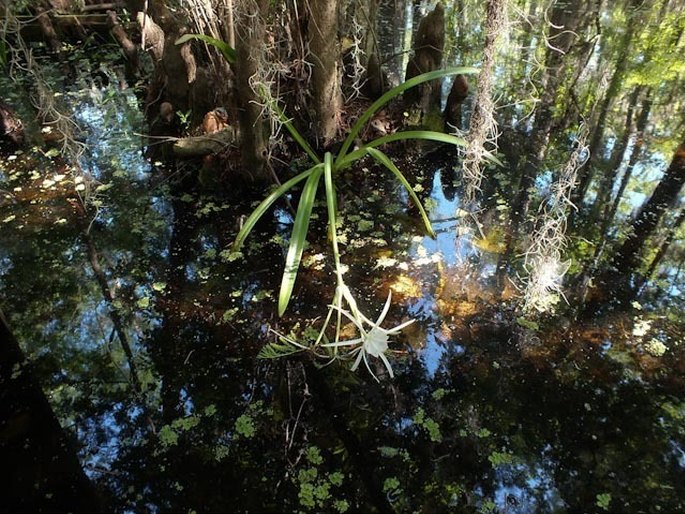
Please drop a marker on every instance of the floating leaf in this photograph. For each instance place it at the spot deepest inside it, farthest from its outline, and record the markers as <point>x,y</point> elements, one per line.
<point>526,323</point>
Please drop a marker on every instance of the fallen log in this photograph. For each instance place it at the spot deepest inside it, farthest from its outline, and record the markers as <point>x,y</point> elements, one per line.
<point>198,146</point>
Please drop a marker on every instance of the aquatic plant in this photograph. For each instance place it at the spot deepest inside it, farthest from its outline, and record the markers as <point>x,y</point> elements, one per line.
<point>373,341</point>
<point>344,159</point>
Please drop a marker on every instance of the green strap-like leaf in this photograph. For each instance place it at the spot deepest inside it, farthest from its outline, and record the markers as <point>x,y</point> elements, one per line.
<point>385,161</point>
<point>266,203</point>
<point>428,135</point>
<point>332,204</point>
<point>298,238</point>
<point>293,131</point>
<point>396,91</point>
<point>227,51</point>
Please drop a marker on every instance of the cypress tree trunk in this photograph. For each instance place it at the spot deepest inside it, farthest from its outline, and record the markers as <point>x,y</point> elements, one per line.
<point>664,246</point>
<point>567,19</point>
<point>601,205</point>
<point>325,56</point>
<point>586,172</point>
<point>250,34</point>
<point>640,127</point>
<point>627,257</point>
<point>40,470</point>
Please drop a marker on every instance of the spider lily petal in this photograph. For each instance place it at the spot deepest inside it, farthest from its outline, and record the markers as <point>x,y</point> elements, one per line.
<point>398,328</point>
<point>358,360</point>
<point>356,321</point>
<point>351,342</point>
<point>387,365</point>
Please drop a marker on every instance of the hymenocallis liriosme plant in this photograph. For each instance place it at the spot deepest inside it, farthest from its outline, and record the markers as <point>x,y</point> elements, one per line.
<point>373,339</point>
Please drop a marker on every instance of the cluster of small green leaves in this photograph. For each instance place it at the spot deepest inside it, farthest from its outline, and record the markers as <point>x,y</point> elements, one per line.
<point>169,434</point>
<point>427,423</point>
<point>502,458</point>
<point>315,486</point>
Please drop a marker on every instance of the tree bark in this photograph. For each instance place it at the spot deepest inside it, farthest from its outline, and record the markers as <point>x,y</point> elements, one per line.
<point>101,279</point>
<point>428,50</point>
<point>121,36</point>
<point>586,172</point>
<point>566,21</point>
<point>601,205</point>
<point>11,127</point>
<point>250,36</point>
<point>325,56</point>
<point>48,30</point>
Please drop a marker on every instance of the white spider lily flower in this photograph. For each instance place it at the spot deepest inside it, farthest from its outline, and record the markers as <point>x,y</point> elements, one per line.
<point>374,339</point>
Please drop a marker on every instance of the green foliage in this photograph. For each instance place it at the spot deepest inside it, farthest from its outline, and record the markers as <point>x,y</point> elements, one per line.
<point>227,51</point>
<point>184,118</point>
<point>336,478</point>
<point>483,433</point>
<point>392,94</point>
<point>263,207</point>
<point>277,350</point>
<point>431,426</point>
<point>391,484</point>
<point>439,394</point>
<point>298,239</point>
<point>661,45</point>
<point>500,458</point>
<point>603,501</point>
<point>306,495</point>
<point>168,436</point>
<point>313,455</point>
<point>245,426</point>
<point>488,506</point>
<point>341,506</point>
<point>526,323</point>
<point>385,161</point>
<point>314,487</point>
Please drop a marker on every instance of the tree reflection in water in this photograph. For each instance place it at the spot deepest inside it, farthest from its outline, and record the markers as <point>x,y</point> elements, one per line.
<point>492,409</point>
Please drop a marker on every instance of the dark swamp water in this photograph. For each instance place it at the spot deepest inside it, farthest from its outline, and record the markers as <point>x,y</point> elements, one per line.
<point>493,407</point>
